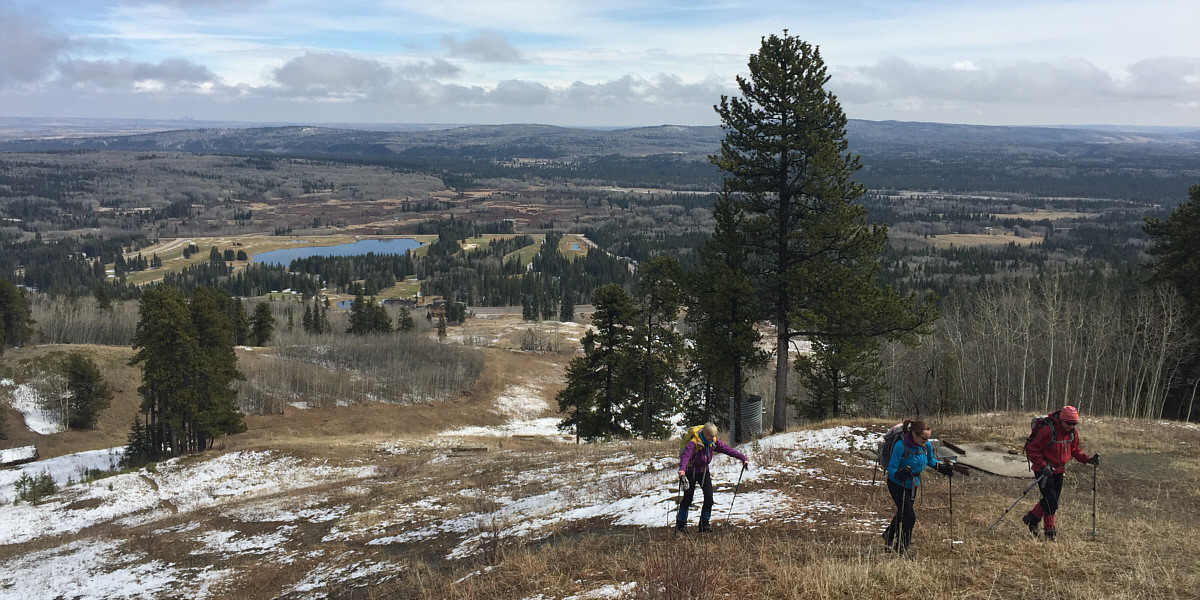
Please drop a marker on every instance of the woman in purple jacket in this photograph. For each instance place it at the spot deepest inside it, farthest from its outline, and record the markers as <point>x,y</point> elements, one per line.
<point>693,468</point>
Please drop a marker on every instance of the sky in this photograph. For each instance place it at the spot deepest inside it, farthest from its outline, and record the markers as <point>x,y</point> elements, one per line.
<point>596,63</point>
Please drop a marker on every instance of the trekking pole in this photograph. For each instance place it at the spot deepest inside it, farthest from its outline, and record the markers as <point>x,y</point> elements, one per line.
<point>951,478</point>
<point>1010,506</point>
<point>739,484</point>
<point>899,539</point>
<point>678,502</point>
<point>1094,531</point>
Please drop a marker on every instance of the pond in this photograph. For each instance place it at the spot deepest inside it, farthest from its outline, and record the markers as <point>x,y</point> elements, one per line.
<point>287,255</point>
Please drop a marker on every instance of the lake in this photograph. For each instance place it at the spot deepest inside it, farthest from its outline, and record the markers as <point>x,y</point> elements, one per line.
<point>287,255</point>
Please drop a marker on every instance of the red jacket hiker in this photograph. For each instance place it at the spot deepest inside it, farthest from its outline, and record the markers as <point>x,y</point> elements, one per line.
<point>1048,451</point>
<point>1043,450</point>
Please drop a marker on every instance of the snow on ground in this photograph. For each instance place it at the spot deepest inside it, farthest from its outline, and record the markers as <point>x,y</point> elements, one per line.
<point>143,497</point>
<point>645,497</point>
<point>534,499</point>
<point>63,469</point>
<point>518,402</point>
<point>99,569</point>
<point>28,402</point>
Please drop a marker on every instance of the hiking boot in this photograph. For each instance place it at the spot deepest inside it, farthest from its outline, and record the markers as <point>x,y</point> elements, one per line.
<point>704,527</point>
<point>1032,522</point>
<point>1050,533</point>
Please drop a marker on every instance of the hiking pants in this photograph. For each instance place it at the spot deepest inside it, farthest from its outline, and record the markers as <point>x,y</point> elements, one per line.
<point>706,510</point>
<point>905,516</point>
<point>1051,488</point>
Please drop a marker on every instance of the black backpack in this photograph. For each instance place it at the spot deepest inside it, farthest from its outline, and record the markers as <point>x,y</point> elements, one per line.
<point>1038,423</point>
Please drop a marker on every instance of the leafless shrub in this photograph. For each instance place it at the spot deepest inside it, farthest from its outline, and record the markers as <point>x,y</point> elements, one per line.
<point>339,368</point>
<point>683,571</point>
<point>80,321</point>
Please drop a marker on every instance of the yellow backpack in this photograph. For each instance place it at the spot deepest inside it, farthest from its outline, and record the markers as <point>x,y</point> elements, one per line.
<point>692,434</point>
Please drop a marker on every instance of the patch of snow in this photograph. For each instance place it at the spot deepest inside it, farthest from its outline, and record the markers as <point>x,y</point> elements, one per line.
<point>28,402</point>
<point>138,498</point>
<point>606,592</point>
<point>326,575</point>
<point>520,401</point>
<point>547,427</point>
<point>224,542</point>
<point>101,567</point>
<point>63,469</point>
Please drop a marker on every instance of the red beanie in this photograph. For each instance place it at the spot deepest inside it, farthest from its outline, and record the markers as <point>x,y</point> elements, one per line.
<point>1068,413</point>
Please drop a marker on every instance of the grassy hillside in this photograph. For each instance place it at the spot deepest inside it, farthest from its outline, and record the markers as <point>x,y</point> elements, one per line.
<point>421,515</point>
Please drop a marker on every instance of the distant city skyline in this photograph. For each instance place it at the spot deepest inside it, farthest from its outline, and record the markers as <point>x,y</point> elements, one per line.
<point>613,63</point>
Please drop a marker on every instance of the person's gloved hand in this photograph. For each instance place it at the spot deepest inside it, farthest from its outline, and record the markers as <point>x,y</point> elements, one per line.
<point>946,469</point>
<point>1046,472</point>
<point>1094,460</point>
<point>746,464</point>
<point>683,482</point>
<point>904,474</point>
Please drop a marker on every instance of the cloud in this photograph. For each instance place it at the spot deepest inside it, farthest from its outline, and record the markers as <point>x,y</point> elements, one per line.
<point>1176,77</point>
<point>988,81</point>
<point>520,93</point>
<point>485,47</point>
<point>28,48</point>
<point>170,74</point>
<point>333,74</point>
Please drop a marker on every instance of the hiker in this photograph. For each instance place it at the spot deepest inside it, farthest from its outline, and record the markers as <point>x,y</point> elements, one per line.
<point>694,469</point>
<point>1050,447</point>
<point>910,455</point>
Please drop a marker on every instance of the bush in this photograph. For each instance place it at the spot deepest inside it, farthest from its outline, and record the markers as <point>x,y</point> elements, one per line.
<point>35,489</point>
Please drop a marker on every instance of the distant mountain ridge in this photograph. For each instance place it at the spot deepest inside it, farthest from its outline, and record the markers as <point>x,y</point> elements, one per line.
<point>552,142</point>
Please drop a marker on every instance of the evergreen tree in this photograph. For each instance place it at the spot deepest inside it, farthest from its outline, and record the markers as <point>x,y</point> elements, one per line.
<point>788,169</point>
<point>441,328</point>
<point>238,321</point>
<point>104,296</point>
<point>306,322</point>
<point>721,310</point>
<point>404,320</point>
<point>16,315</point>
<point>139,449</point>
<point>88,395</point>
<point>172,365</point>
<point>566,307</point>
<point>188,365</point>
<point>216,410</point>
<point>658,345</point>
<point>262,324</point>
<point>367,316</point>
<point>1176,262</point>
<point>597,396</point>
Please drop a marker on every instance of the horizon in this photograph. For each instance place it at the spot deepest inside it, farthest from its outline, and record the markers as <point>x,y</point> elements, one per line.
<point>401,126</point>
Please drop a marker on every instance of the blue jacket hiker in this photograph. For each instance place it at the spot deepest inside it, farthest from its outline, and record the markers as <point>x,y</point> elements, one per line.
<point>910,455</point>
<point>694,462</point>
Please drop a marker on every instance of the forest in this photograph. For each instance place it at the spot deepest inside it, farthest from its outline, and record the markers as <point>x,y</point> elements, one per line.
<point>1023,264</point>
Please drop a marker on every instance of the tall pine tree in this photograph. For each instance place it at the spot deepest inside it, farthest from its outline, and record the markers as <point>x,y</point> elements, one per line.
<point>788,170</point>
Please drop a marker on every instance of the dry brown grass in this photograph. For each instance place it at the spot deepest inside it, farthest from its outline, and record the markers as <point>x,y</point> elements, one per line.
<point>1146,520</point>
<point>968,240</point>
